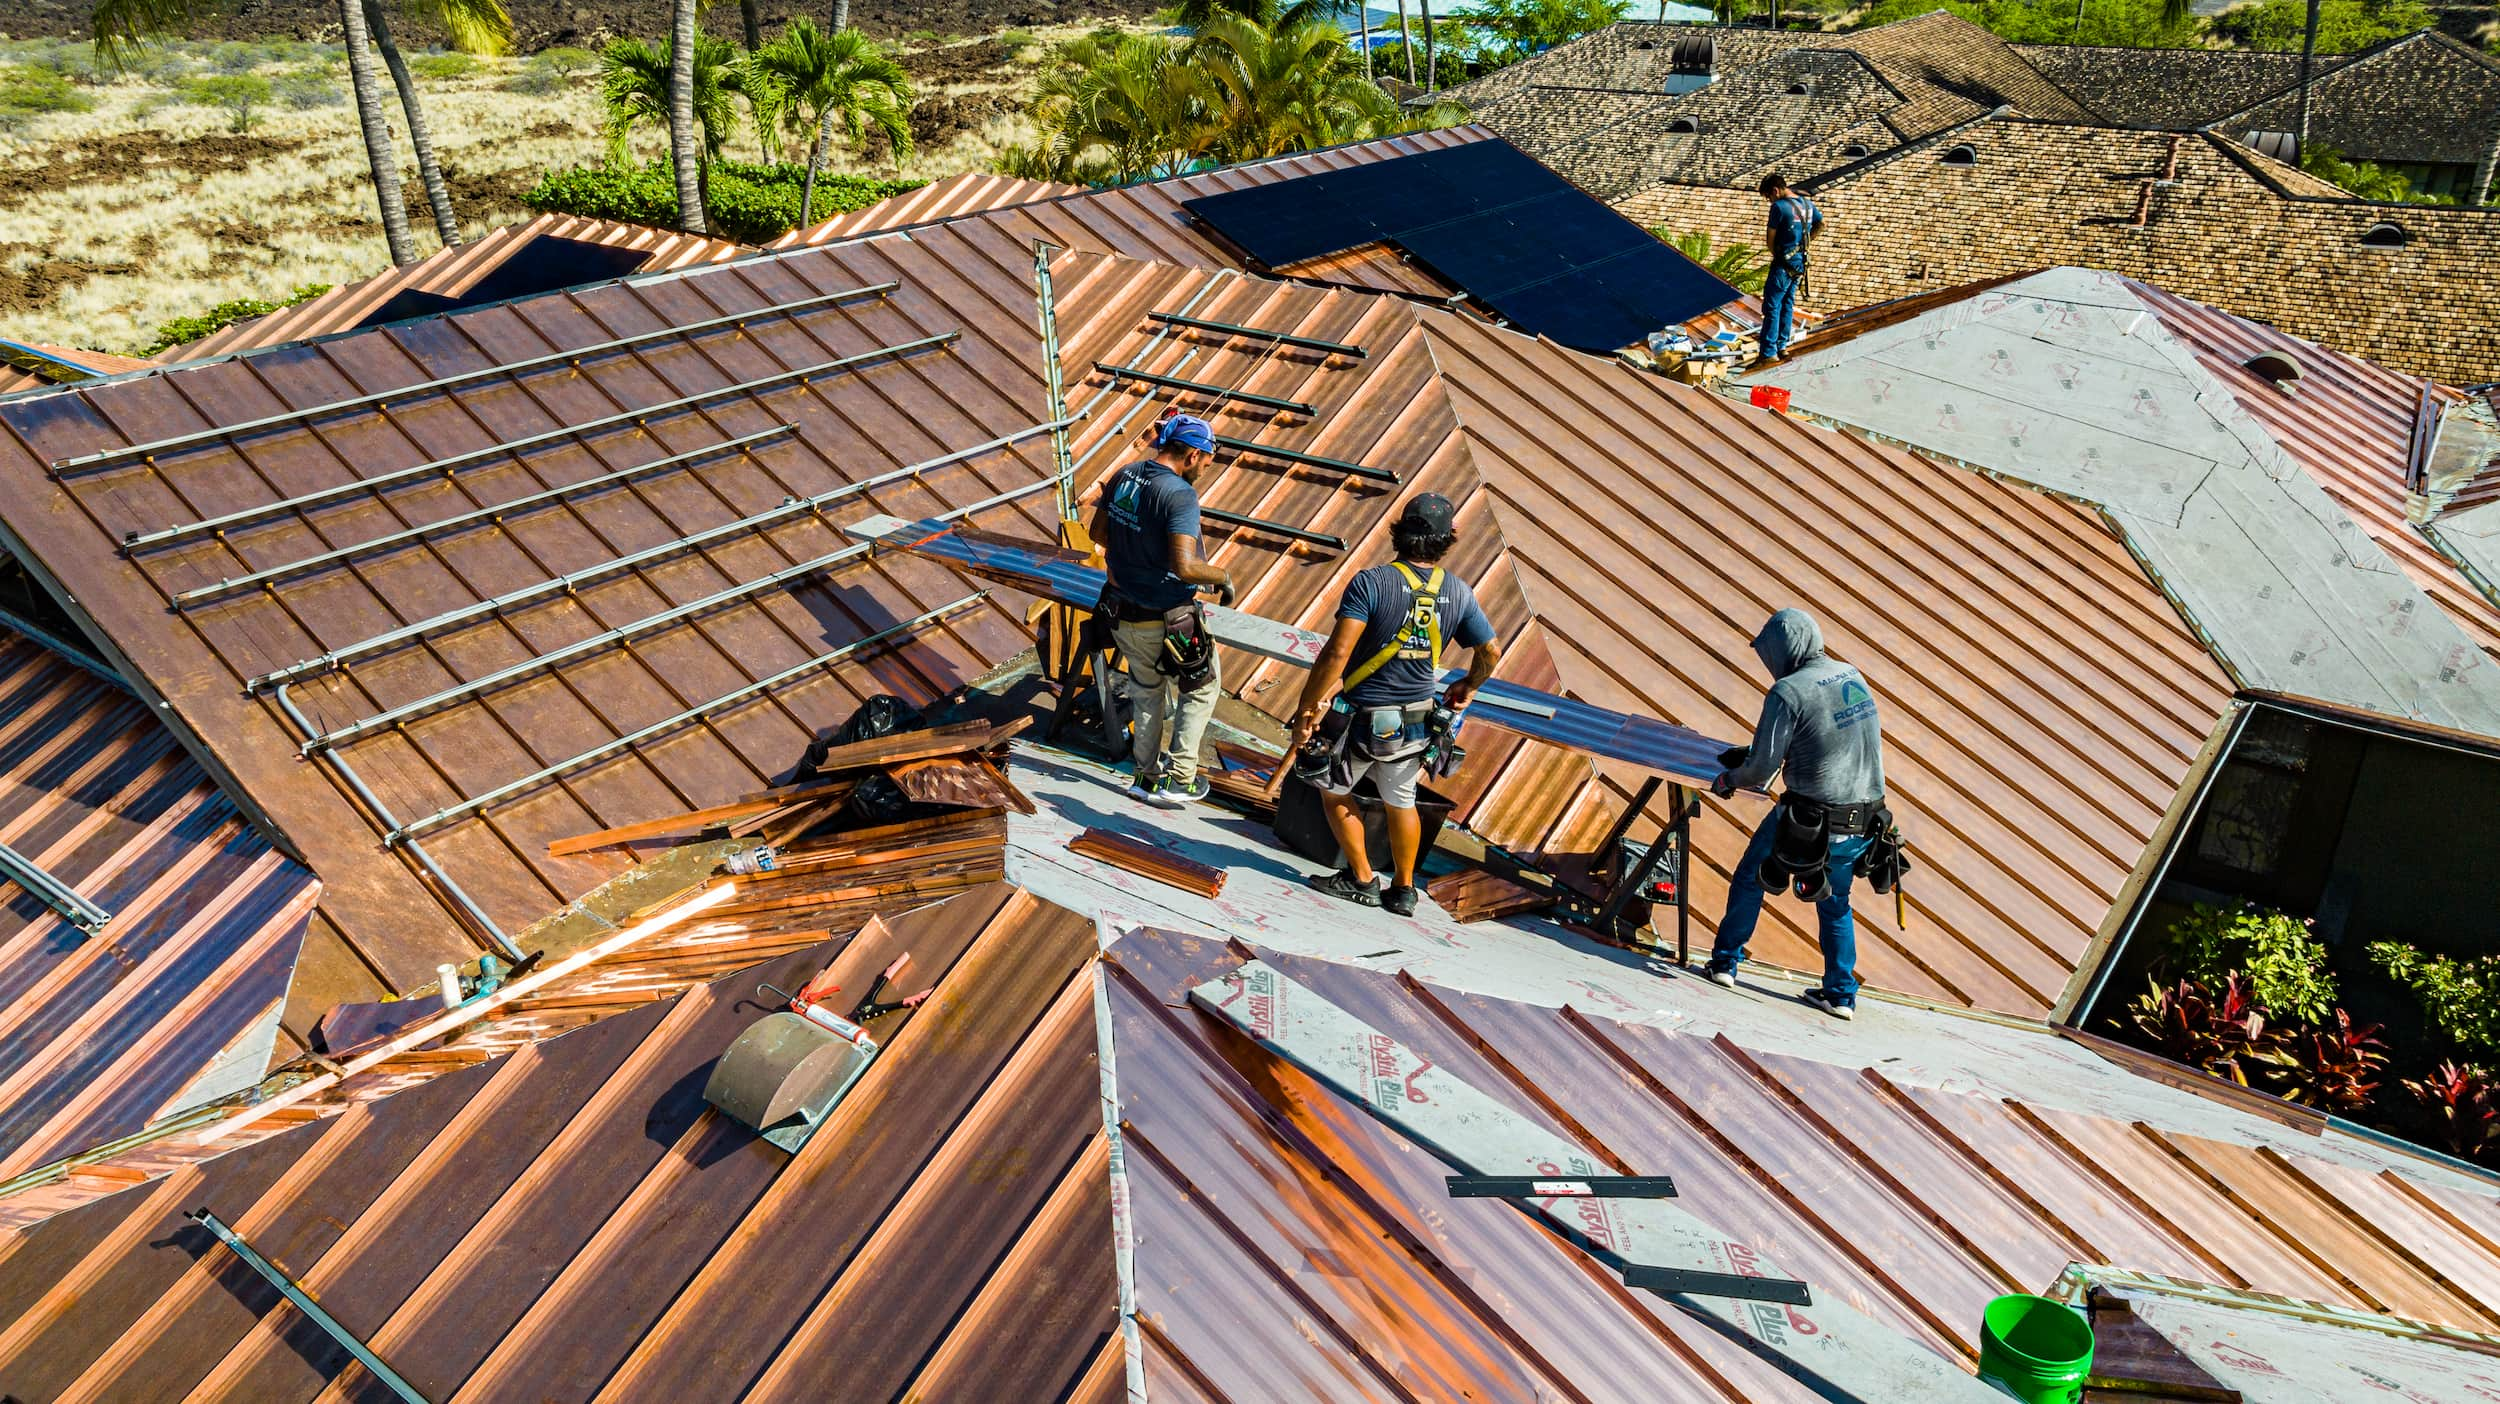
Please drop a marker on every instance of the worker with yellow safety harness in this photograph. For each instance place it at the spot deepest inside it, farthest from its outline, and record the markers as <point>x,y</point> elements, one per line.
<point>1388,723</point>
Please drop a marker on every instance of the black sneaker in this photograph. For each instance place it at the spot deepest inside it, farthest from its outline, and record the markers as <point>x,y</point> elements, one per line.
<point>1837,1008</point>
<point>1399,901</point>
<point>1142,786</point>
<point>1342,886</point>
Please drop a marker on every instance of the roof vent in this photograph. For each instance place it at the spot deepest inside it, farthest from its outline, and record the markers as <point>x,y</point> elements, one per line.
<point>1854,151</point>
<point>1695,53</point>
<point>1797,90</point>
<point>2383,235</point>
<point>2279,146</point>
<point>1683,124</point>
<point>2276,369</point>
<point>1963,155</point>
<point>1646,44</point>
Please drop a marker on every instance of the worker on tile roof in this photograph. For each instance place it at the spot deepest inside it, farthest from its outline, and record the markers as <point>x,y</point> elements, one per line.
<point>1387,723</point>
<point>1147,521</point>
<point>1795,220</point>
<point>1818,725</point>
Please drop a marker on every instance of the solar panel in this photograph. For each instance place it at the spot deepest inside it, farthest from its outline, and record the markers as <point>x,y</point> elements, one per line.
<point>1539,251</point>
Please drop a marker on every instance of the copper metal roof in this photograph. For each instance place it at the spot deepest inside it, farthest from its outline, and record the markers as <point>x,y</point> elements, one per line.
<point>176,998</point>
<point>450,272</point>
<point>969,193</point>
<point>573,1222</point>
<point>34,365</point>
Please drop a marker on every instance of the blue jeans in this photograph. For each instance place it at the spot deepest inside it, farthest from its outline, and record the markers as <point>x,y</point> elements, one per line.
<point>1839,928</point>
<point>1779,310</point>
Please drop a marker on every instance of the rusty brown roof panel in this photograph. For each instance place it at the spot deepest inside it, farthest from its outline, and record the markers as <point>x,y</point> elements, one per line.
<point>448,273</point>
<point>102,1031</point>
<point>971,192</point>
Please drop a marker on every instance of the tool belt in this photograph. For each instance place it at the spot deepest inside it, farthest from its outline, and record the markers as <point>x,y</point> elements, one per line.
<point>1121,609</point>
<point>1801,847</point>
<point>1376,735</point>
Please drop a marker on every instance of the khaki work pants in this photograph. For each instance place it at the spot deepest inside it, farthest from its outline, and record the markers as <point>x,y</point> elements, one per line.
<point>1141,645</point>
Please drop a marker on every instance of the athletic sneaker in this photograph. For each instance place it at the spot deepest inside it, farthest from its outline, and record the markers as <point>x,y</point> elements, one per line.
<point>1722,976</point>
<point>1143,786</point>
<point>1342,886</point>
<point>1398,901</point>
<point>1837,1008</point>
<point>1167,793</point>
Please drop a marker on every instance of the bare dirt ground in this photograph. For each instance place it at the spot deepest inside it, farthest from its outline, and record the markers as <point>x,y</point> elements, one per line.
<point>145,208</point>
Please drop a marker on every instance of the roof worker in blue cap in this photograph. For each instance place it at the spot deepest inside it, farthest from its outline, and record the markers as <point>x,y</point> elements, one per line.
<point>1391,722</point>
<point>1147,522</point>
<point>1818,724</point>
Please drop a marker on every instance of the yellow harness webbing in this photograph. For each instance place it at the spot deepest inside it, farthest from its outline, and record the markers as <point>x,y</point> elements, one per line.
<point>1423,590</point>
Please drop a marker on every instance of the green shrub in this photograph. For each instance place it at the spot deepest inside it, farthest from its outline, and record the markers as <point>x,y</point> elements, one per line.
<point>748,203</point>
<point>568,61</point>
<point>2343,25</point>
<point>28,92</point>
<point>233,57</point>
<point>2284,964</point>
<point>240,95</point>
<point>443,66</point>
<point>306,88</point>
<point>182,331</point>
<point>2366,179</point>
<point>2461,997</point>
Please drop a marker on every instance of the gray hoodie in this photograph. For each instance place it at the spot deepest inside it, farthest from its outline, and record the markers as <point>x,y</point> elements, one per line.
<point>1818,721</point>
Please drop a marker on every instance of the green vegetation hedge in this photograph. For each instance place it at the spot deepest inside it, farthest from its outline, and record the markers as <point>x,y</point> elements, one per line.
<point>182,331</point>
<point>27,91</point>
<point>749,203</point>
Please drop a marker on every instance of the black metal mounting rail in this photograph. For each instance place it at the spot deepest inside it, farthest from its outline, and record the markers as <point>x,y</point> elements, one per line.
<point>1316,538</point>
<point>1561,1187</point>
<point>136,542</point>
<point>382,398</point>
<point>1307,343</point>
<point>313,1312</point>
<point>1221,392</point>
<point>1315,460</point>
<point>1717,1284</point>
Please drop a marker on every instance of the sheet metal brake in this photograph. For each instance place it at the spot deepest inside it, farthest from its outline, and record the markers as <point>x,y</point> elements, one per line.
<point>1643,741</point>
<point>1831,1347</point>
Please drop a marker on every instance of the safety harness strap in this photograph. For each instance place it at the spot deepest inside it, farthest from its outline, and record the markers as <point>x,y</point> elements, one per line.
<point>1417,587</point>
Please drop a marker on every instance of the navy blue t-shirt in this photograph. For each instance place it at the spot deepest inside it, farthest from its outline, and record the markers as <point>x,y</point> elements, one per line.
<point>1409,677</point>
<point>1149,505</point>
<point>1793,217</point>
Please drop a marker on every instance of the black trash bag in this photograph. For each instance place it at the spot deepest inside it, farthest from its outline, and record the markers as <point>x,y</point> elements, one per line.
<point>877,800</point>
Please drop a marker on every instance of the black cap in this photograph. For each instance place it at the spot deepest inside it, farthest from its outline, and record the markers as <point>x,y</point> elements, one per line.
<point>1429,514</point>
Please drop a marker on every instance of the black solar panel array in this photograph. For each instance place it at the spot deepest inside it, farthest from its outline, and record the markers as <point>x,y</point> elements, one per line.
<point>1536,249</point>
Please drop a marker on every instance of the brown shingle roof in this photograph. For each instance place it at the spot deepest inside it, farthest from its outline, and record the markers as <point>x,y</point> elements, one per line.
<point>2424,98</point>
<point>2168,88</point>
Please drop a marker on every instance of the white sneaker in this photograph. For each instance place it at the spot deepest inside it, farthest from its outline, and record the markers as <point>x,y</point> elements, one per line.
<point>1724,979</point>
<point>1823,1001</point>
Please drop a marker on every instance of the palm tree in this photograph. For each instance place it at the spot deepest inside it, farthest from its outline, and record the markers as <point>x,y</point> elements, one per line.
<point>638,84</point>
<point>810,79</point>
<point>377,133</point>
<point>1741,266</point>
<point>474,27</point>
<point>841,15</point>
<point>681,135</point>
<point>2308,55</point>
<point>1432,76</point>
<point>1267,14</point>
<point>751,19</point>
<point>1406,43</point>
<point>1116,109</point>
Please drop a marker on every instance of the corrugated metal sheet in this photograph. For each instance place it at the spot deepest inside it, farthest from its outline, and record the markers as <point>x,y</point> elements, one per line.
<point>971,192</point>
<point>33,365</point>
<point>100,1033</point>
<point>573,1222</point>
<point>1283,1234</point>
<point>448,273</point>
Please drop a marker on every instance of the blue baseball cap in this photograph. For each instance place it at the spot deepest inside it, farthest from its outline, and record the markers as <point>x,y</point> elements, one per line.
<point>1187,431</point>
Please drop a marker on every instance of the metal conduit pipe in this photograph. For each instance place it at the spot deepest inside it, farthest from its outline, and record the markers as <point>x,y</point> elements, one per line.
<point>494,512</point>
<point>691,714</point>
<point>382,812</point>
<point>571,357</point>
<point>567,583</point>
<point>366,726</point>
<point>136,542</point>
<point>51,891</point>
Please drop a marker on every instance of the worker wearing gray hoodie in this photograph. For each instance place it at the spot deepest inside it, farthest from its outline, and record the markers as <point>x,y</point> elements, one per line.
<point>1819,725</point>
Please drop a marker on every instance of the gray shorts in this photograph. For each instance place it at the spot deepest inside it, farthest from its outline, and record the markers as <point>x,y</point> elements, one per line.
<point>1395,779</point>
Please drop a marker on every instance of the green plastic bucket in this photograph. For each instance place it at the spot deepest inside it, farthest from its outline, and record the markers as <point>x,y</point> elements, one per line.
<point>2035,1349</point>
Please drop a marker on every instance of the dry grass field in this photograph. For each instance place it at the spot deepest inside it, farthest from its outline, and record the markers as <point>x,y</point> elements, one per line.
<point>149,206</point>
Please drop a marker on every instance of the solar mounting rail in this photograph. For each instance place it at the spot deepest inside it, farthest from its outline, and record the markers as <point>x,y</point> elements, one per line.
<point>1220,392</point>
<point>1545,716</point>
<point>62,898</point>
<point>1315,460</point>
<point>1307,343</point>
<point>313,1310</point>
<point>1831,1347</point>
<point>493,513</point>
<point>382,398</point>
<point>1561,1187</point>
<point>135,542</point>
<point>1316,538</point>
<point>573,580</point>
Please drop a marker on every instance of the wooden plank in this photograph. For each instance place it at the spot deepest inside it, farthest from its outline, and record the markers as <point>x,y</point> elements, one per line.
<point>697,820</point>
<point>1144,859</point>
<point>915,745</point>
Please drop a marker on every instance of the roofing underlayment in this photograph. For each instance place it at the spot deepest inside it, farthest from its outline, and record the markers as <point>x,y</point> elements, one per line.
<point>173,1000</point>
<point>1056,1168</point>
<point>2069,380</point>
